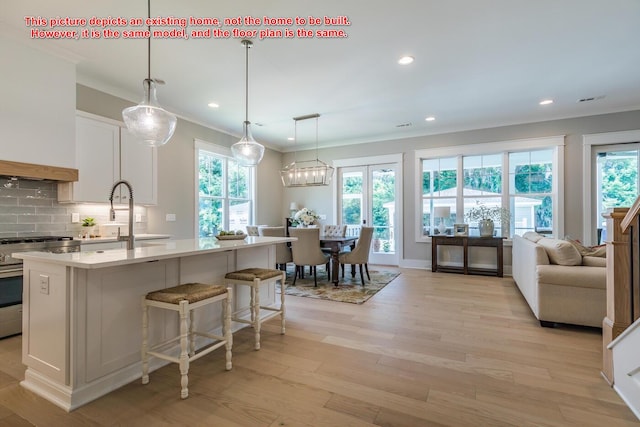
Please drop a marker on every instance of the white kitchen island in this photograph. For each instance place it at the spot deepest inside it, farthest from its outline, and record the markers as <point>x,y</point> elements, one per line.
<point>82,313</point>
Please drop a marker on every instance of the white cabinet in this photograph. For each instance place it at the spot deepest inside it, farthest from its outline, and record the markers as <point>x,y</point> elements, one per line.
<point>105,153</point>
<point>138,165</point>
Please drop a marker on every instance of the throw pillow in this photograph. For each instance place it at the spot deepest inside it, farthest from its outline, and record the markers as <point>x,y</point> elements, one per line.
<point>561,252</point>
<point>597,251</point>
<point>532,236</point>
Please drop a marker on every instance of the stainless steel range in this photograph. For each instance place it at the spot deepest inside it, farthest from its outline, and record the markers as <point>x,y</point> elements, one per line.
<point>11,274</point>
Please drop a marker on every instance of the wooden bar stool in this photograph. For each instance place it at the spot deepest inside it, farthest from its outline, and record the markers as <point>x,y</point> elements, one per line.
<point>254,277</point>
<point>185,299</point>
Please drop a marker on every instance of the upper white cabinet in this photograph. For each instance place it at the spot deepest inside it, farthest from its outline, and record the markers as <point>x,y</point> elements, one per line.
<point>105,153</point>
<point>138,165</point>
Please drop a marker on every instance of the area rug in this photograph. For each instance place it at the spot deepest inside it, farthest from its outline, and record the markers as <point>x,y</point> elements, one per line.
<point>348,290</point>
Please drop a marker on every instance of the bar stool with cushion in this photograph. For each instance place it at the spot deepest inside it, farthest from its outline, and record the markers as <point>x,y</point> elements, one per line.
<point>184,299</point>
<point>254,277</point>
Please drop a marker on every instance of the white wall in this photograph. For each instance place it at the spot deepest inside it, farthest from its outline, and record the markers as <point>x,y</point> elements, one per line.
<point>37,102</point>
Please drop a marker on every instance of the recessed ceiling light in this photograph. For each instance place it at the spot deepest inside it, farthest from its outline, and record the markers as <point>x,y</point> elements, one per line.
<point>546,102</point>
<point>290,138</point>
<point>213,105</point>
<point>430,118</point>
<point>405,60</point>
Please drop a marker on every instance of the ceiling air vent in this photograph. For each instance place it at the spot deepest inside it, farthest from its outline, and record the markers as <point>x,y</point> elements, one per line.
<point>591,98</point>
<point>404,125</point>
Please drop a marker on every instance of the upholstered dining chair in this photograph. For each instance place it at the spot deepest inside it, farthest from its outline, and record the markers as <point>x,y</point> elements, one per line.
<point>360,254</point>
<point>306,251</point>
<point>252,230</point>
<point>332,230</point>
<point>283,251</point>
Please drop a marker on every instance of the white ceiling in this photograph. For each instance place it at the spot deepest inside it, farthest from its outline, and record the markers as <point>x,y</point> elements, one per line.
<point>478,64</point>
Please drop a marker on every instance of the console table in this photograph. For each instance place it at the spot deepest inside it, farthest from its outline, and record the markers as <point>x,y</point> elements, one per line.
<point>465,242</point>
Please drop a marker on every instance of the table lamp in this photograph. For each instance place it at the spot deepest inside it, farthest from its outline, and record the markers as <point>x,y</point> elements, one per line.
<point>442,212</point>
<point>293,208</point>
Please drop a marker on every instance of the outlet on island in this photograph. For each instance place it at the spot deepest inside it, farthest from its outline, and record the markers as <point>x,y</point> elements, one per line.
<point>170,217</point>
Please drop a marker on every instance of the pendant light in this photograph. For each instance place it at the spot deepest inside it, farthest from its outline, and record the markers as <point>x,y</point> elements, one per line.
<point>148,121</point>
<point>247,151</point>
<point>308,173</point>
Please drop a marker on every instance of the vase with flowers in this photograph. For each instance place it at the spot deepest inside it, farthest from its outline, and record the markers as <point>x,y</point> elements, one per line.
<point>305,217</point>
<point>486,216</point>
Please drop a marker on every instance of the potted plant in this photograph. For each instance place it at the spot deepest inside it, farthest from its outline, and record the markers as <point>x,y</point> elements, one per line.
<point>88,223</point>
<point>486,217</point>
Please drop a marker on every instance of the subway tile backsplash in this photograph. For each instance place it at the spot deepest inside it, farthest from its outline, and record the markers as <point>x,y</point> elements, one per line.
<point>29,208</point>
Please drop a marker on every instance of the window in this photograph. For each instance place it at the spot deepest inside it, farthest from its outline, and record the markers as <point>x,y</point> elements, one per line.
<point>225,191</point>
<point>439,184</point>
<point>492,174</point>
<point>482,185</point>
<point>531,191</point>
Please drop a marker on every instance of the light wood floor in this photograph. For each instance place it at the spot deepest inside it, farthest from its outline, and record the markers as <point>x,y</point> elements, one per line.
<point>430,349</point>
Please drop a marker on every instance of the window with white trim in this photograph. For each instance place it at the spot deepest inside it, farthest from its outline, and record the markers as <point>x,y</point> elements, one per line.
<point>494,174</point>
<point>225,191</point>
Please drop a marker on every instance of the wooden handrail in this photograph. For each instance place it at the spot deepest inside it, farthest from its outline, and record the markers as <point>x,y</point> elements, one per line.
<point>628,218</point>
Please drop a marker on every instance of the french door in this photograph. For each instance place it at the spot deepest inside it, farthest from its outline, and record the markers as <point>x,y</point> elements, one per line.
<point>367,196</point>
<point>617,180</point>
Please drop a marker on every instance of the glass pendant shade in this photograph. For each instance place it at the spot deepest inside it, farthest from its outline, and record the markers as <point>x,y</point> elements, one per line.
<point>247,151</point>
<point>149,123</point>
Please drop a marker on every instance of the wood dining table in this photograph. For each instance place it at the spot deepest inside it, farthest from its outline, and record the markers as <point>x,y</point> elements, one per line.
<point>335,244</point>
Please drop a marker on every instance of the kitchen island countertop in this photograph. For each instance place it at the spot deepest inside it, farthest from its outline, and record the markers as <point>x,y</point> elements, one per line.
<point>157,251</point>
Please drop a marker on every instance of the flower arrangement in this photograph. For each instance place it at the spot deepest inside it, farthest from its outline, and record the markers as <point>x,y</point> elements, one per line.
<point>482,212</point>
<point>305,217</point>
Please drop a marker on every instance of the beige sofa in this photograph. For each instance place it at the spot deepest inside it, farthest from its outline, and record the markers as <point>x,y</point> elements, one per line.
<point>558,282</point>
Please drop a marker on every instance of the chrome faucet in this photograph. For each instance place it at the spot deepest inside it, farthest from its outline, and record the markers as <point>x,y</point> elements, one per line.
<point>112,213</point>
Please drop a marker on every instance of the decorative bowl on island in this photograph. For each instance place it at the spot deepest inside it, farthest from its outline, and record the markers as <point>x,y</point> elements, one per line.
<point>230,236</point>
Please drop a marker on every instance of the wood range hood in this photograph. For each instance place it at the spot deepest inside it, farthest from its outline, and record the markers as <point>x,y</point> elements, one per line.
<point>37,172</point>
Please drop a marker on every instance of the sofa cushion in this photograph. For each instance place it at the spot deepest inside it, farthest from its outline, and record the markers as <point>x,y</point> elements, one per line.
<point>577,277</point>
<point>532,236</point>
<point>594,261</point>
<point>561,252</point>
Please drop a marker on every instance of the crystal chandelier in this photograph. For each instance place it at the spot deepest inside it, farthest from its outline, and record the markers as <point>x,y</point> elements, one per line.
<point>148,121</point>
<point>308,173</point>
<point>247,151</point>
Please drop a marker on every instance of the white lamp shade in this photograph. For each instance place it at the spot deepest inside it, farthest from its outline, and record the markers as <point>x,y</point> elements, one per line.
<point>293,206</point>
<point>247,151</point>
<point>148,122</point>
<point>442,212</point>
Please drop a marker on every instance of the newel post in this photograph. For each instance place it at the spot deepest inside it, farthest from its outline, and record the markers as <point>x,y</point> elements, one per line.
<point>618,283</point>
